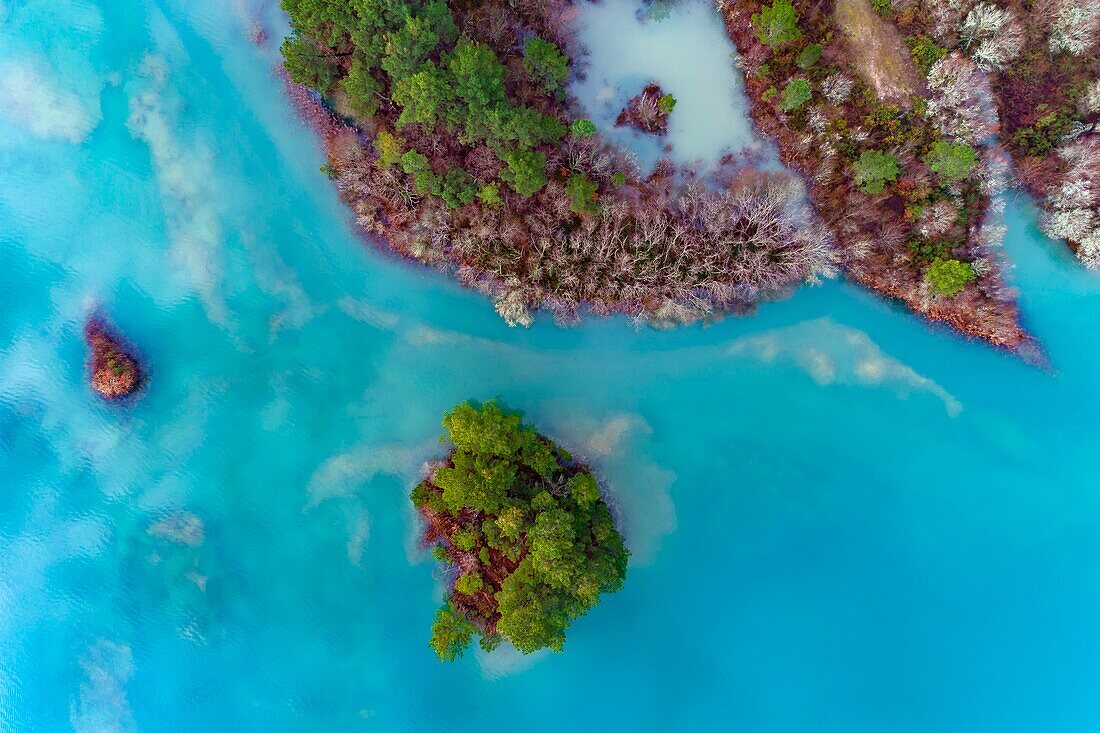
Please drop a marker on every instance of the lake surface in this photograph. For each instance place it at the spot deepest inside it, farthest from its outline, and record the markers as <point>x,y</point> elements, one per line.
<point>841,518</point>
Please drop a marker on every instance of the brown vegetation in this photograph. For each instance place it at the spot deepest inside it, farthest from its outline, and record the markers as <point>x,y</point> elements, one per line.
<point>114,373</point>
<point>643,111</point>
<point>878,52</point>
<point>892,235</point>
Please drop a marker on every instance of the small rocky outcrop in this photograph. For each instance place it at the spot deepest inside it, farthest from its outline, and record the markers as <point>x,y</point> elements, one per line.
<point>114,373</point>
<point>648,111</point>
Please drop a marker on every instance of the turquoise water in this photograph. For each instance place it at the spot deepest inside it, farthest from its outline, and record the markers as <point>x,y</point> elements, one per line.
<point>842,518</point>
<point>687,52</point>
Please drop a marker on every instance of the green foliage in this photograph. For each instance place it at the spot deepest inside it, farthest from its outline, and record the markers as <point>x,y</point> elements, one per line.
<point>525,171</point>
<point>926,251</point>
<point>451,633</point>
<point>769,93</point>
<point>582,194</point>
<point>1042,137</point>
<point>776,24</point>
<point>420,494</point>
<point>809,56</point>
<point>489,194</point>
<point>882,7</point>
<point>952,161</point>
<point>666,104</point>
<point>458,188</point>
<point>478,80</point>
<point>874,170</point>
<point>439,553</point>
<point>618,179</point>
<point>545,63</point>
<point>949,277</point>
<point>583,489</point>
<point>389,147</point>
<point>425,180</point>
<point>440,20</point>
<point>307,64</point>
<point>362,89</point>
<point>795,94</point>
<point>582,128</point>
<point>925,52</point>
<point>422,96</point>
<point>469,583</point>
<point>408,48</point>
<point>464,539</point>
<point>564,544</point>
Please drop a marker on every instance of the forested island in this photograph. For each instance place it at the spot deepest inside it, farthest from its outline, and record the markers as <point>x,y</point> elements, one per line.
<point>451,133</point>
<point>530,541</point>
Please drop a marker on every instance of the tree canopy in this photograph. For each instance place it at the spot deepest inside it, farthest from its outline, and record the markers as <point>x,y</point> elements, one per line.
<point>412,53</point>
<point>526,523</point>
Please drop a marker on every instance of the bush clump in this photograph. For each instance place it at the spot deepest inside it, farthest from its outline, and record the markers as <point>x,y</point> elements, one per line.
<point>776,24</point>
<point>874,169</point>
<point>795,94</point>
<point>952,161</point>
<point>949,277</point>
<point>526,523</point>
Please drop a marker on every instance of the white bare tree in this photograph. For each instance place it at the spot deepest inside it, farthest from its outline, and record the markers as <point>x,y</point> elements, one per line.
<point>993,35</point>
<point>1075,27</point>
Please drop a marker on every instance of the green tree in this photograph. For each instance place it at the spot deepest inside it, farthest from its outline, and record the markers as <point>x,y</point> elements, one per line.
<point>545,63</point>
<point>486,429</point>
<point>809,56</point>
<point>362,89</point>
<point>489,194</point>
<point>458,188</point>
<point>307,64</point>
<point>582,194</point>
<point>952,161</point>
<point>795,94</point>
<point>324,21</point>
<point>874,170</point>
<point>666,104</point>
<point>469,583</point>
<point>525,171</point>
<point>389,147</point>
<point>582,129</point>
<point>478,80</point>
<point>441,20</point>
<point>777,24</point>
<point>949,277</point>
<point>408,48</point>
<point>422,96</point>
<point>584,490</point>
<point>925,52</point>
<point>451,633</point>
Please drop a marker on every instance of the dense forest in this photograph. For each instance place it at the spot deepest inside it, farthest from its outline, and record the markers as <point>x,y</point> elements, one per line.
<point>530,540</point>
<point>461,146</point>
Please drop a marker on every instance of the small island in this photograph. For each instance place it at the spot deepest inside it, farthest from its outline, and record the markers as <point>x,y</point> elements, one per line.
<point>523,526</point>
<point>114,373</point>
<point>648,111</point>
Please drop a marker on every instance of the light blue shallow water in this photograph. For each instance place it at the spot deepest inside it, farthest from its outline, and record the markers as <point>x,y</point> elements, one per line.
<point>842,519</point>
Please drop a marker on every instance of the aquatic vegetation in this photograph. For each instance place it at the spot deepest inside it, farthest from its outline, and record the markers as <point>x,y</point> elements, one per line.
<point>649,110</point>
<point>525,527</point>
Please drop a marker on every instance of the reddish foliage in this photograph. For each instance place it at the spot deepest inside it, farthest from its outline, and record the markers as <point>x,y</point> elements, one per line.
<point>113,372</point>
